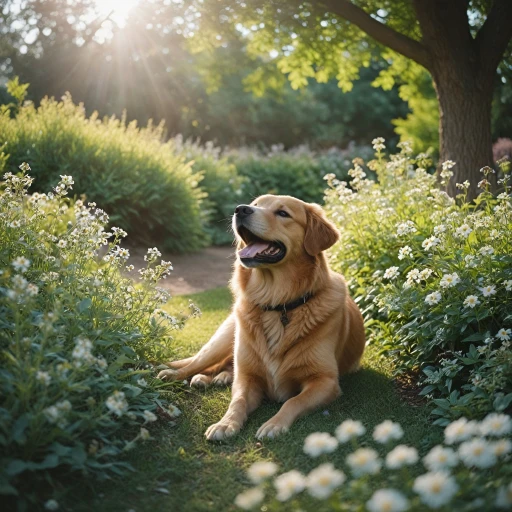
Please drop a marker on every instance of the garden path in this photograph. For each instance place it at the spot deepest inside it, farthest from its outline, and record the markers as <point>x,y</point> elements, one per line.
<point>193,273</point>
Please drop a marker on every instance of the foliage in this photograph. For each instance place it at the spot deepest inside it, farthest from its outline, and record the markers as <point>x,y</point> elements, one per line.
<point>75,334</point>
<point>438,272</point>
<point>472,475</point>
<point>140,181</point>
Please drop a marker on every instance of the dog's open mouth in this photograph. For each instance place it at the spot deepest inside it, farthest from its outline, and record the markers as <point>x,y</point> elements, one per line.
<point>258,250</point>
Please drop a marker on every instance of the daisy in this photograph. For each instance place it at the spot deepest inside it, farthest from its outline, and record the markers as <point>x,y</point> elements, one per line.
<point>322,481</point>
<point>21,264</point>
<point>404,252</point>
<point>435,489</point>
<point>387,431</point>
<point>459,430</point>
<point>433,298</point>
<point>319,442</point>
<point>489,290</point>
<point>463,231</point>
<point>504,334</point>
<point>260,471</point>
<point>387,500</point>
<point>250,498</point>
<point>471,301</point>
<point>495,424</point>
<point>508,285</point>
<point>62,244</point>
<point>449,280</point>
<point>440,458</point>
<point>430,243</point>
<point>486,250</point>
<point>477,452</point>
<point>364,461</point>
<point>349,429</point>
<point>401,455</point>
<point>501,447</point>
<point>289,484</point>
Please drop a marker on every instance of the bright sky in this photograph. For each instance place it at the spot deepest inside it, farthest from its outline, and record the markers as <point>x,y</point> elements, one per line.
<point>119,8</point>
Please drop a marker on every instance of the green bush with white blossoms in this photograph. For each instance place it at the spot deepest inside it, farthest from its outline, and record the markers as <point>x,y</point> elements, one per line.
<point>434,275</point>
<point>75,336</point>
<point>470,471</point>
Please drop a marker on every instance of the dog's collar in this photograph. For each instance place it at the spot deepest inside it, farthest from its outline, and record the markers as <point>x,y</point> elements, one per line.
<point>284,308</point>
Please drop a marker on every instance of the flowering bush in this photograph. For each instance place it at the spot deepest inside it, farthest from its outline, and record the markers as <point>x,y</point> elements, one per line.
<point>435,275</point>
<point>74,337</point>
<point>472,472</point>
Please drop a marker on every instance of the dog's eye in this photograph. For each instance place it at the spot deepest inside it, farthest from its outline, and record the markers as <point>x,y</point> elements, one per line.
<point>282,213</point>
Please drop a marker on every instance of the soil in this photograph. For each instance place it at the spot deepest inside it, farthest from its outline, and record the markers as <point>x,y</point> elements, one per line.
<point>193,273</point>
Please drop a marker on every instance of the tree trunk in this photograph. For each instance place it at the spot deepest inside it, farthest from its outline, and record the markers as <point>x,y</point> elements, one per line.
<point>464,127</point>
<point>464,86</point>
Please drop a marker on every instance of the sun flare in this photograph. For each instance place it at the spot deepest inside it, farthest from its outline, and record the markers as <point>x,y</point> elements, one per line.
<point>119,8</point>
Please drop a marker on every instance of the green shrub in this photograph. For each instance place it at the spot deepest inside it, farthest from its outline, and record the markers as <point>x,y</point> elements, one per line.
<point>220,181</point>
<point>437,273</point>
<point>141,182</point>
<point>74,339</point>
<point>298,172</point>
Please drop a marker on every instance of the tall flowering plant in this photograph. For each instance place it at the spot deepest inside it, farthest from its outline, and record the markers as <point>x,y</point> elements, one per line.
<point>435,276</point>
<point>75,335</point>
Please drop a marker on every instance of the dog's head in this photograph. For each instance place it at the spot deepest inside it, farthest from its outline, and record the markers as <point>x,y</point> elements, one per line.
<point>273,230</point>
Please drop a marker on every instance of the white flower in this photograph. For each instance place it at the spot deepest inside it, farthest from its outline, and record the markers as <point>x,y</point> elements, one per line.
<point>508,285</point>
<point>142,382</point>
<point>319,442</point>
<point>425,274</point>
<point>504,496</point>
<point>82,353</point>
<point>260,471</point>
<point>144,434</point>
<point>364,461</point>
<point>470,261</point>
<point>487,250</point>
<point>504,334</point>
<point>62,244</point>
<point>477,452</point>
<point>489,290</point>
<point>387,500</point>
<point>435,489</point>
<point>66,180</point>
<point>21,264</point>
<point>430,243</point>
<point>51,505</point>
<point>440,458</point>
<point>449,280</point>
<point>439,229</point>
<point>495,424</point>
<point>378,143</point>
<point>459,430</point>
<point>501,447</point>
<point>173,411</point>
<point>448,164</point>
<point>463,231</point>
<point>471,301</point>
<point>117,403</point>
<point>43,377</point>
<point>289,484</point>
<point>349,429</point>
<point>404,252</point>
<point>250,498</point>
<point>405,228</point>
<point>391,273</point>
<point>322,481</point>
<point>149,416</point>
<point>401,455</point>
<point>387,431</point>
<point>433,298</point>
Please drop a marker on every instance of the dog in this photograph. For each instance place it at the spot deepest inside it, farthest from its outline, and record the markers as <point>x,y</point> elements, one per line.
<point>294,328</point>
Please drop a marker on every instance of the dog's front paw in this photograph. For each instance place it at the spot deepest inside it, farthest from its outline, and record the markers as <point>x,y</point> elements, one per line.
<point>168,375</point>
<point>223,379</point>
<point>271,430</point>
<point>222,430</point>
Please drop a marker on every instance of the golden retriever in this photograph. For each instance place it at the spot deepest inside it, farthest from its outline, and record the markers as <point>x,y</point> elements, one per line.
<point>293,330</point>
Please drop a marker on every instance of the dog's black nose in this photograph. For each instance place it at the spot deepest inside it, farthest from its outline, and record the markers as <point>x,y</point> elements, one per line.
<point>242,210</point>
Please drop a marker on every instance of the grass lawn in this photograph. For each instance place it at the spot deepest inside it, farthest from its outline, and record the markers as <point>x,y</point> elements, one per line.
<point>180,471</point>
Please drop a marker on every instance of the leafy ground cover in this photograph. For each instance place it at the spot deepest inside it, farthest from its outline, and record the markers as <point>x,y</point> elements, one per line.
<point>179,470</point>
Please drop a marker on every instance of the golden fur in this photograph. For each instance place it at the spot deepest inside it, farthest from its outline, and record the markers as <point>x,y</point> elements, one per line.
<point>300,363</point>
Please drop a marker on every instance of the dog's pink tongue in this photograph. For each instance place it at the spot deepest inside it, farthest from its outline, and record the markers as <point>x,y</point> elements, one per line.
<point>252,250</point>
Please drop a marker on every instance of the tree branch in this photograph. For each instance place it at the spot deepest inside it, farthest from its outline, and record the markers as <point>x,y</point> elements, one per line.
<point>381,33</point>
<point>493,38</point>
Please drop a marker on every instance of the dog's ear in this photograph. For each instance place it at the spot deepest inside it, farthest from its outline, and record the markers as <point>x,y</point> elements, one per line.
<point>320,232</point>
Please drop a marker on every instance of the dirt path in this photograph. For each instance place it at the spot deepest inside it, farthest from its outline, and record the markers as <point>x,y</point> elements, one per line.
<point>193,273</point>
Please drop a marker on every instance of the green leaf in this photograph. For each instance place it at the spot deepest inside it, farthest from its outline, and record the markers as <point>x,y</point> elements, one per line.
<point>84,304</point>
